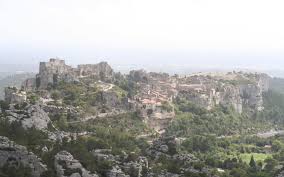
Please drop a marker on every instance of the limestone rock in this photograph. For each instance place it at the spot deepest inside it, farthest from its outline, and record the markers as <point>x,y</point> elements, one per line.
<point>281,174</point>
<point>101,71</point>
<point>239,90</point>
<point>166,146</point>
<point>135,169</point>
<point>14,154</point>
<point>30,116</point>
<point>15,96</point>
<point>103,155</point>
<point>29,84</point>
<point>116,172</point>
<point>67,166</point>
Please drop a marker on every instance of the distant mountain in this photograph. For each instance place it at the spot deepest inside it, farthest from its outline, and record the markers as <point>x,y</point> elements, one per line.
<point>10,79</point>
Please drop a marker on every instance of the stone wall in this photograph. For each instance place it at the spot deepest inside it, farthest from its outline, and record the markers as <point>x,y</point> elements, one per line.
<point>56,70</point>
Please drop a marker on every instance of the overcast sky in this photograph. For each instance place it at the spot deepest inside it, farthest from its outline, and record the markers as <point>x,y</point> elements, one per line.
<point>193,33</point>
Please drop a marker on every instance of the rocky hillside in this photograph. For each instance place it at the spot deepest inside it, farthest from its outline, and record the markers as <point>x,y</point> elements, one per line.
<point>91,121</point>
<point>13,80</point>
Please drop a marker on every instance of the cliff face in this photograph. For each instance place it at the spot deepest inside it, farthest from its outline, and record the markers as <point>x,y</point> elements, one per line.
<point>238,90</point>
<point>101,71</point>
<point>56,70</point>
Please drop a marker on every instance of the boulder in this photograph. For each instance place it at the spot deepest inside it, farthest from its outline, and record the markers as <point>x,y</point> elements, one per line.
<point>30,116</point>
<point>11,153</point>
<point>67,166</point>
<point>116,172</point>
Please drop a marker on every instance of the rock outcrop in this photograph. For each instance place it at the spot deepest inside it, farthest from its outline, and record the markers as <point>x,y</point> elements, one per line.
<point>29,84</point>
<point>135,169</point>
<point>67,166</point>
<point>13,95</point>
<point>29,116</point>
<point>102,71</point>
<point>116,172</point>
<point>239,90</point>
<point>12,154</point>
<point>281,174</point>
<point>167,147</point>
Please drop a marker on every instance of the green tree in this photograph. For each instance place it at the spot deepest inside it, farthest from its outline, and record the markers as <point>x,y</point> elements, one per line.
<point>237,172</point>
<point>270,164</point>
<point>252,163</point>
<point>277,146</point>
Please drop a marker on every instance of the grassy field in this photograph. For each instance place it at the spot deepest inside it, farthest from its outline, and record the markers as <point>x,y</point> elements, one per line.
<point>257,157</point>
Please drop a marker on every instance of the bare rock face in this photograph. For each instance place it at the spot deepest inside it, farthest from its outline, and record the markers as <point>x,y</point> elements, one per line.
<point>252,96</point>
<point>13,154</point>
<point>116,172</point>
<point>30,116</point>
<point>263,81</point>
<point>29,84</point>
<point>13,95</point>
<point>230,95</point>
<point>67,166</point>
<point>102,71</point>
<point>239,90</point>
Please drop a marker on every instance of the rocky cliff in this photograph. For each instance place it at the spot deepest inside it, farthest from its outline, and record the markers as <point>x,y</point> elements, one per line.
<point>239,90</point>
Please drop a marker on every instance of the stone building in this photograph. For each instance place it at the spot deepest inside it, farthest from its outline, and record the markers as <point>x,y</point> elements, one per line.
<point>56,70</point>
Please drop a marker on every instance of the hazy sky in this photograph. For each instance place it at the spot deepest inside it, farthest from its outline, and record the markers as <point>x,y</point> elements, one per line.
<point>194,33</point>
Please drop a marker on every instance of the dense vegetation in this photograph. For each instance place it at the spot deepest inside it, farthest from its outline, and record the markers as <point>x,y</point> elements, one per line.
<point>221,121</point>
<point>226,140</point>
